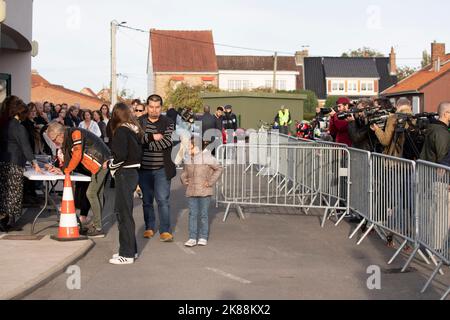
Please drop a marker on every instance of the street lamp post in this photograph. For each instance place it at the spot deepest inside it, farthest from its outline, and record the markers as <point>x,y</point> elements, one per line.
<point>114,26</point>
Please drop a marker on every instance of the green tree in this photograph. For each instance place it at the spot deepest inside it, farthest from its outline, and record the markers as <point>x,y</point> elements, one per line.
<point>185,95</point>
<point>404,72</point>
<point>426,59</point>
<point>364,52</point>
<point>331,101</point>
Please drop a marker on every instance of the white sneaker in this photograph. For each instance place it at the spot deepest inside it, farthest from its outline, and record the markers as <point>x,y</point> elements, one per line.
<point>121,261</point>
<point>202,242</point>
<point>191,243</point>
<point>116,256</point>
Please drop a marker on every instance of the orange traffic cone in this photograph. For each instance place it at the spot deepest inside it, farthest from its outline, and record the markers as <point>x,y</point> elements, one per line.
<point>68,225</point>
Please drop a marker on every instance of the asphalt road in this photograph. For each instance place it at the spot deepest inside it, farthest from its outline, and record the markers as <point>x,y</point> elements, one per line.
<point>268,256</point>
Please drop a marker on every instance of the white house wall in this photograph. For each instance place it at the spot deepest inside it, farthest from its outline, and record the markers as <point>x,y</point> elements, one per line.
<point>257,79</point>
<point>19,16</point>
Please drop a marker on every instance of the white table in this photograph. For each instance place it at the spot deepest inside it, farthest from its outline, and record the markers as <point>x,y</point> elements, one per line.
<point>48,178</point>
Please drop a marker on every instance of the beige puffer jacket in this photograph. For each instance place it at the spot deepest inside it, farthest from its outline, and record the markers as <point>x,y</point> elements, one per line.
<point>200,174</point>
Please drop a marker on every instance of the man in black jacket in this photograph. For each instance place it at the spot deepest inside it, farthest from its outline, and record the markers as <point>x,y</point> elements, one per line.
<point>359,132</point>
<point>157,168</point>
<point>219,118</point>
<point>437,141</point>
<point>230,119</point>
<point>209,125</point>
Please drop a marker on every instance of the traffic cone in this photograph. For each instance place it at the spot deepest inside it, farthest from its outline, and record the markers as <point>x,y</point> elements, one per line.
<point>68,225</point>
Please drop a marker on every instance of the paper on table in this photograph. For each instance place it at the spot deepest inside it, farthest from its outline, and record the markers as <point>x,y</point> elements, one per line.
<point>32,175</point>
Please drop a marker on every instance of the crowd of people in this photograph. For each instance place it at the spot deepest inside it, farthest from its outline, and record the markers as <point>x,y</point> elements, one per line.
<point>133,145</point>
<point>378,126</point>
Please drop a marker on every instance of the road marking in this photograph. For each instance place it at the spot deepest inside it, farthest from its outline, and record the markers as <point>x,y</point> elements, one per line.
<point>228,275</point>
<point>186,250</point>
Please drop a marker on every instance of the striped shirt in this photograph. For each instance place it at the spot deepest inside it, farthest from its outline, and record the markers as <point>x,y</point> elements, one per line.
<point>153,155</point>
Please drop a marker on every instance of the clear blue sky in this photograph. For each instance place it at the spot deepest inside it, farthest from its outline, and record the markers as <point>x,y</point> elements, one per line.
<point>74,35</point>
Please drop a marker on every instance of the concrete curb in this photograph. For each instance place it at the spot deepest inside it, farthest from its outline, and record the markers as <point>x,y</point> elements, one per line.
<point>30,286</point>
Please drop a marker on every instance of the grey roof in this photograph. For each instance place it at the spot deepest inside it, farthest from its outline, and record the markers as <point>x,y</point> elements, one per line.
<point>386,80</point>
<point>317,69</point>
<point>315,76</point>
<point>350,68</point>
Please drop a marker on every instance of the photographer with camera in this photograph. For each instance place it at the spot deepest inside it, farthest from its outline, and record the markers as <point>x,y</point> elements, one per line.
<point>339,127</point>
<point>437,140</point>
<point>391,140</point>
<point>359,129</point>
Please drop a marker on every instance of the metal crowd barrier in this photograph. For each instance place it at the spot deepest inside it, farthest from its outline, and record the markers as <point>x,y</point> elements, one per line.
<point>305,177</point>
<point>361,186</point>
<point>393,196</point>
<point>433,215</point>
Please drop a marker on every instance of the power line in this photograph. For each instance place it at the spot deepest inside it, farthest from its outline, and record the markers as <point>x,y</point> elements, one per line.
<point>204,42</point>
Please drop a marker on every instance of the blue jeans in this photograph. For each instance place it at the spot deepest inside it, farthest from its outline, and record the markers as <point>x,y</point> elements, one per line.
<point>154,184</point>
<point>198,207</point>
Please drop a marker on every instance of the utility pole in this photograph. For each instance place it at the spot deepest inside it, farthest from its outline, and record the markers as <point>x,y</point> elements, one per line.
<point>113,88</point>
<point>275,67</point>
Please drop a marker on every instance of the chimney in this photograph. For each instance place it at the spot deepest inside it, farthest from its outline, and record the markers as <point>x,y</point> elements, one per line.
<point>392,62</point>
<point>437,55</point>
<point>300,57</point>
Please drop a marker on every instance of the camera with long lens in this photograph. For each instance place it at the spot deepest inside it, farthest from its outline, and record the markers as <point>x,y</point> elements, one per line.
<point>326,111</point>
<point>346,114</point>
<point>422,120</point>
<point>378,117</point>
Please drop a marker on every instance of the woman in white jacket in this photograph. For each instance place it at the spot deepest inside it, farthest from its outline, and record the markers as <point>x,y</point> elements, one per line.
<point>89,124</point>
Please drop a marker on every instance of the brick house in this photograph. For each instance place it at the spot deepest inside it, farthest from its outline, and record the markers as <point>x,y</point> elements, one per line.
<point>348,76</point>
<point>427,87</point>
<point>237,73</point>
<point>42,90</point>
<point>175,57</point>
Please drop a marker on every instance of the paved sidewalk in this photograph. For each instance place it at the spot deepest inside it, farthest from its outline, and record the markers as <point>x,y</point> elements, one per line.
<point>28,264</point>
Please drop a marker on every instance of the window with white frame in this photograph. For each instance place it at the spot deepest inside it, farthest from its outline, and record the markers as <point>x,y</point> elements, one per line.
<point>237,85</point>
<point>352,86</point>
<point>337,86</point>
<point>367,86</point>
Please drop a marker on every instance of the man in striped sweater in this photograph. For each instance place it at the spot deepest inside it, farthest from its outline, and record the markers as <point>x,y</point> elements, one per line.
<point>157,169</point>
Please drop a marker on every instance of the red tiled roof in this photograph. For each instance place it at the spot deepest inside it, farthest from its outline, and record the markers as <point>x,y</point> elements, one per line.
<point>419,80</point>
<point>42,90</point>
<point>89,92</point>
<point>256,63</point>
<point>183,51</point>
<point>37,80</point>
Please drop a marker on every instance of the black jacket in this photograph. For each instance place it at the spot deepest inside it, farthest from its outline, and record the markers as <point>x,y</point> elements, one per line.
<point>163,124</point>
<point>172,114</point>
<point>437,143</point>
<point>230,121</point>
<point>72,122</point>
<point>446,161</point>
<point>362,137</point>
<point>209,122</point>
<point>92,146</point>
<point>29,126</point>
<point>126,148</point>
<point>15,144</point>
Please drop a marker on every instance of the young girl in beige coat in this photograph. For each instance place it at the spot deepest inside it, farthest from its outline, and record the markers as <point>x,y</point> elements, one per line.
<point>201,172</point>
